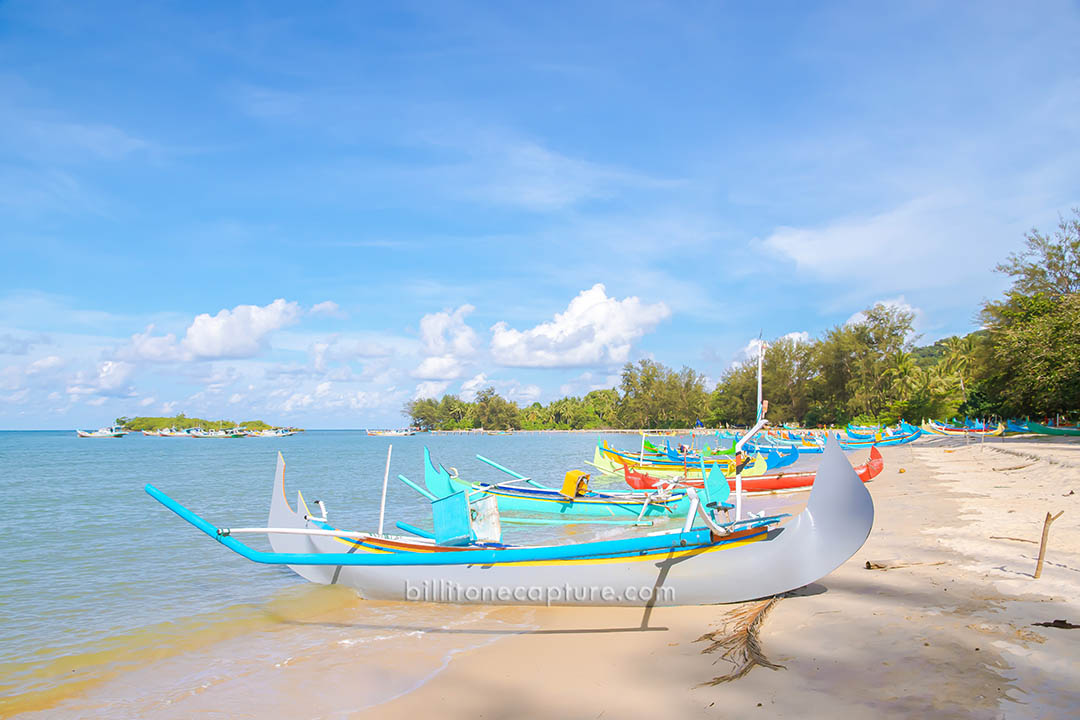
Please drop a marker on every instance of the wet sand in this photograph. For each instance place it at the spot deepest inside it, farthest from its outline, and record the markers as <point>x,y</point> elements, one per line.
<point>946,628</point>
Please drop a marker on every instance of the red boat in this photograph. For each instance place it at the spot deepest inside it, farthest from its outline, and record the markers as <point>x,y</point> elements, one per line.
<point>762,484</point>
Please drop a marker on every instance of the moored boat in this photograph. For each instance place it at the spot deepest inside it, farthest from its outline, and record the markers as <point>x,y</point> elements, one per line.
<point>109,432</point>
<point>702,562</point>
<point>575,498</point>
<point>761,485</point>
<point>1051,429</point>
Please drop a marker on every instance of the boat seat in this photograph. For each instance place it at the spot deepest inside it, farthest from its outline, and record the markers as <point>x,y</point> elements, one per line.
<point>575,484</point>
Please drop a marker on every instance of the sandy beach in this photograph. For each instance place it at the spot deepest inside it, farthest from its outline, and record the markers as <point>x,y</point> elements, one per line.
<point>946,627</point>
<point>943,625</point>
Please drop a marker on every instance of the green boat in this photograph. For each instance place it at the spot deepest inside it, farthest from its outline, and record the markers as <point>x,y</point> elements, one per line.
<point>1050,430</point>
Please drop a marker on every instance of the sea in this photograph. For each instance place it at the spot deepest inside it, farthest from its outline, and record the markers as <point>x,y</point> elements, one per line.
<point>113,607</point>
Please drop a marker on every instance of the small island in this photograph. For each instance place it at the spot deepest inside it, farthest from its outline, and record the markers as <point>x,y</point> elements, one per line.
<point>182,422</point>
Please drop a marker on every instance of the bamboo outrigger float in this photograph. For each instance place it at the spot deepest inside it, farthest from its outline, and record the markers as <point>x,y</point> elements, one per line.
<point>697,564</point>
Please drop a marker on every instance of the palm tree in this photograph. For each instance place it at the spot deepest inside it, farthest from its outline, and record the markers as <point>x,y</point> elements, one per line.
<point>960,355</point>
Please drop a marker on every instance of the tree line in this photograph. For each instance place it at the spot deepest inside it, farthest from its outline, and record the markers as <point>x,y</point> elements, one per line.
<point>1023,362</point>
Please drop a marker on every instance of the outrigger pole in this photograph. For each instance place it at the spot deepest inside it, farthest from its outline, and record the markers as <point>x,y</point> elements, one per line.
<point>385,478</point>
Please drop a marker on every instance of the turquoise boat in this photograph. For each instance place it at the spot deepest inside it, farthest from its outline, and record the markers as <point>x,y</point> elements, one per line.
<point>574,499</point>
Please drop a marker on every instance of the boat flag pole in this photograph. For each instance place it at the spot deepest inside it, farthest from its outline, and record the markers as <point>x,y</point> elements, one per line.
<point>760,357</point>
<point>385,478</point>
<point>762,408</point>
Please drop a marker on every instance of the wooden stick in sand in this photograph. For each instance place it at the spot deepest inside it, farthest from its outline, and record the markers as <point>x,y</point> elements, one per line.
<point>1045,536</point>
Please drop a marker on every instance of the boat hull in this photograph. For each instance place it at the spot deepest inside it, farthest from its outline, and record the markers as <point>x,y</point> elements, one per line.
<point>835,523</point>
<point>764,484</point>
<point>1051,430</point>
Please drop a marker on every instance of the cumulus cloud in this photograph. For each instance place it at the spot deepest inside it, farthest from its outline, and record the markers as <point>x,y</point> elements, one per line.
<point>594,330</point>
<point>240,332</point>
<point>448,342</point>
<point>445,333</point>
<point>147,346</point>
<point>110,379</point>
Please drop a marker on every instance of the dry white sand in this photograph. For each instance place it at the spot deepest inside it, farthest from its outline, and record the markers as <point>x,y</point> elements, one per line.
<point>946,631</point>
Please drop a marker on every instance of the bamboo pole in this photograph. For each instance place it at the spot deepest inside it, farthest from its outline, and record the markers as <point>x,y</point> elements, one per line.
<point>1045,536</point>
<point>385,478</point>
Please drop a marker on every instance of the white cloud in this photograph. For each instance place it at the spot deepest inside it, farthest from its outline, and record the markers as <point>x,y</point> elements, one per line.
<point>147,401</point>
<point>523,394</point>
<point>147,346</point>
<point>473,385</point>
<point>343,350</point>
<point>588,381</point>
<point>328,308</point>
<point>445,333</point>
<point>897,303</point>
<point>797,336</point>
<point>430,389</point>
<point>44,364</point>
<point>594,330</point>
<point>16,398</point>
<point>895,249</point>
<point>296,401</point>
<point>519,172</point>
<point>239,332</point>
<point>443,367</point>
<point>750,351</point>
<point>448,342</point>
<point>377,399</point>
<point>110,380</point>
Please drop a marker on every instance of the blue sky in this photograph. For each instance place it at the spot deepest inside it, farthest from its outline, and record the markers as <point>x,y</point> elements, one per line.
<point>311,214</point>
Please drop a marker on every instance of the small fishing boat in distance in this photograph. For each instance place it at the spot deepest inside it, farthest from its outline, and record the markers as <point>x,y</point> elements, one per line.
<point>392,433</point>
<point>110,432</point>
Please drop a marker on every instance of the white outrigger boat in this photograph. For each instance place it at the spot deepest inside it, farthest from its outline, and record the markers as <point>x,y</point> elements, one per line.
<point>702,562</point>
<point>109,432</point>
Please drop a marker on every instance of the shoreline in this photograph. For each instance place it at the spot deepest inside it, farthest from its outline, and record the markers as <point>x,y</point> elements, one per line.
<point>944,627</point>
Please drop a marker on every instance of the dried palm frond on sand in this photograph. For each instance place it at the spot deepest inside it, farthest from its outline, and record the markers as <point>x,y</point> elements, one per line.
<point>738,638</point>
